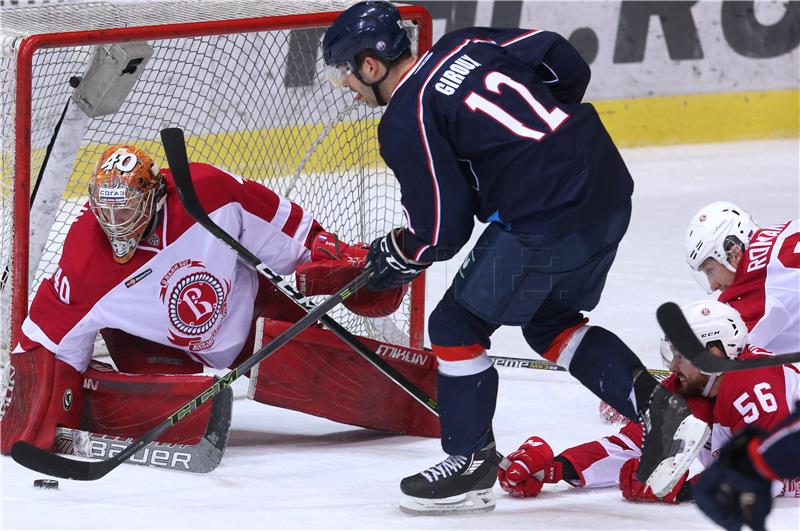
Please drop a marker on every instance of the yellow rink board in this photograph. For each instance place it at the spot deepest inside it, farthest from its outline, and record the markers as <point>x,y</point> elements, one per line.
<point>702,118</point>
<point>686,119</point>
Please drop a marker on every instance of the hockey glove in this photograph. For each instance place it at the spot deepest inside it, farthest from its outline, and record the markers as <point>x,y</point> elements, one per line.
<point>523,473</point>
<point>390,267</point>
<point>636,491</point>
<point>731,492</point>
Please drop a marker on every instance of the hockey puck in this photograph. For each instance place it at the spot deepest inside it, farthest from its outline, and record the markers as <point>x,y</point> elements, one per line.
<point>45,483</point>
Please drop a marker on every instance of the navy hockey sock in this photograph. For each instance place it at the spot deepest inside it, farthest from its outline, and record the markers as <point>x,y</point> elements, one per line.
<point>606,366</point>
<point>466,409</point>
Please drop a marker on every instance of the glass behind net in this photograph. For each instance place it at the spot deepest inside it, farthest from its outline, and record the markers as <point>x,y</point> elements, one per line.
<point>250,103</point>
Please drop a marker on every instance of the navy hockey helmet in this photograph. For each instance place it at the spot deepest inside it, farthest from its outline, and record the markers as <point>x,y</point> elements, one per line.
<point>373,25</point>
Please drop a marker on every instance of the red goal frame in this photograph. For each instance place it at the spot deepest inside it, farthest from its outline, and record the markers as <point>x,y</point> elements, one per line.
<point>22,162</point>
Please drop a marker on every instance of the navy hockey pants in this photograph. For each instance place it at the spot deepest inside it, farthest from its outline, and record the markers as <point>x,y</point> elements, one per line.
<point>540,282</point>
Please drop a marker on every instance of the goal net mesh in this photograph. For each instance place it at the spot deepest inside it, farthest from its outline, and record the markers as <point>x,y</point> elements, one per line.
<point>254,103</point>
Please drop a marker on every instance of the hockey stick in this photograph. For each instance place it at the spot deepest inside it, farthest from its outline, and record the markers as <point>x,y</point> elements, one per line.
<point>525,363</point>
<point>45,462</point>
<point>677,329</point>
<point>175,148</point>
<point>202,457</point>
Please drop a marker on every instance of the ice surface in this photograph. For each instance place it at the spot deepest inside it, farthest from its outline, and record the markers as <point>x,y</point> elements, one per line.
<point>286,470</point>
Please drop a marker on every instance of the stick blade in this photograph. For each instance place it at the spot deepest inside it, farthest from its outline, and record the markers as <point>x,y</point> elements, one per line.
<point>677,329</point>
<point>35,458</point>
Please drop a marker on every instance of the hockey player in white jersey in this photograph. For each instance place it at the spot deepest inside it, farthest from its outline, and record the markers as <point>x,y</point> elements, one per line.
<point>756,270</point>
<point>167,295</point>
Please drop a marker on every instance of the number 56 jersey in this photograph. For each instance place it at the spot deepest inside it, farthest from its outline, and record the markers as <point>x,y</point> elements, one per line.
<point>183,287</point>
<point>489,123</point>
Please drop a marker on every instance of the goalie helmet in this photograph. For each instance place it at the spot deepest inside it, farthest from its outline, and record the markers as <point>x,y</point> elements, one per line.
<point>714,230</point>
<point>373,26</point>
<point>126,192</point>
<point>712,321</point>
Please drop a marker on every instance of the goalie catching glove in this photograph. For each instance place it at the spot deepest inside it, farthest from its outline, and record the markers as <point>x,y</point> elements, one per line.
<point>390,267</point>
<point>334,264</point>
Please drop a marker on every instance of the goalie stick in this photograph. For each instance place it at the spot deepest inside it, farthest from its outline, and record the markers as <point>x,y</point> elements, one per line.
<point>59,466</point>
<point>202,457</point>
<point>677,329</point>
<point>175,148</point>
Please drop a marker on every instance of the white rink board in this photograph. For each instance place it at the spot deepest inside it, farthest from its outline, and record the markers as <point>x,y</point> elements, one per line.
<point>285,470</point>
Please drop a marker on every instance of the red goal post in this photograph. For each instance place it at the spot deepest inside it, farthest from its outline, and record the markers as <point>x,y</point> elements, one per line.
<point>271,117</point>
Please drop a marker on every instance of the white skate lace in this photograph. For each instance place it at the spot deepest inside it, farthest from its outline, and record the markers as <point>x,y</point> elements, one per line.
<point>445,469</point>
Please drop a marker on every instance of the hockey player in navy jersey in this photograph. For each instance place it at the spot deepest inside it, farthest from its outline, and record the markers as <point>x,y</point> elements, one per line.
<point>489,124</point>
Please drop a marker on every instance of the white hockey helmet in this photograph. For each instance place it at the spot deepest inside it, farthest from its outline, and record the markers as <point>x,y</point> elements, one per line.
<point>712,321</point>
<point>714,229</point>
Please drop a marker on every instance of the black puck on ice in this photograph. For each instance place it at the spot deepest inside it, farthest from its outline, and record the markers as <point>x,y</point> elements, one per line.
<point>45,483</point>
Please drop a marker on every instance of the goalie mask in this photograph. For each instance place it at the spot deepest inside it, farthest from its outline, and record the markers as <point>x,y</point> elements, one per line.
<point>126,192</point>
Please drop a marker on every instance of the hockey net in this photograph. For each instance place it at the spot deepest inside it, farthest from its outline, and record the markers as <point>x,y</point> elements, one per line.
<point>243,78</point>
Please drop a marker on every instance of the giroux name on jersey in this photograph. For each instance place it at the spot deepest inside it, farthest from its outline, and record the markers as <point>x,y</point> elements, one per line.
<point>451,79</point>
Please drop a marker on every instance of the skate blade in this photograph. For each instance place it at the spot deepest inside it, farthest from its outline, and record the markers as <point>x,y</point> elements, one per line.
<point>470,502</point>
<point>694,433</point>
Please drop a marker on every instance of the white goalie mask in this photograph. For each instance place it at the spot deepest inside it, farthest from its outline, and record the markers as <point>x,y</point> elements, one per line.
<point>714,229</point>
<point>712,321</point>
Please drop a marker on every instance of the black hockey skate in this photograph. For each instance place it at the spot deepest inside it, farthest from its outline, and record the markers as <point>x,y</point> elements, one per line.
<point>672,439</point>
<point>459,484</point>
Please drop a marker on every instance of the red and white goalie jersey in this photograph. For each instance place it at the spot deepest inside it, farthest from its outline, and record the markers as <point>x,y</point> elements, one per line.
<point>183,288</point>
<point>766,288</point>
<point>761,397</point>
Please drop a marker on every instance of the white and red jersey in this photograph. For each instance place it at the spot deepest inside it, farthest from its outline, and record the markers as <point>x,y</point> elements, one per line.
<point>183,287</point>
<point>598,462</point>
<point>766,288</point>
<point>761,397</point>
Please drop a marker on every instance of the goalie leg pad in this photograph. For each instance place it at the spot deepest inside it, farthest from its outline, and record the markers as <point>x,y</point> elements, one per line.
<point>46,393</point>
<point>129,405</point>
<point>318,374</point>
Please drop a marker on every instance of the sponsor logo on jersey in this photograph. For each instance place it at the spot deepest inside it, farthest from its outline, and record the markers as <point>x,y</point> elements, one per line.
<point>132,281</point>
<point>153,240</point>
<point>455,74</point>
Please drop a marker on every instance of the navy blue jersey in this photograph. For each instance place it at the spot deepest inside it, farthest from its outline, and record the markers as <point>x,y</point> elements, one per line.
<point>489,123</point>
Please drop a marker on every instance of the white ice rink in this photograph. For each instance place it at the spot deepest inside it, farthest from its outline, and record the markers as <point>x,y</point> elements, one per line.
<point>286,470</point>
